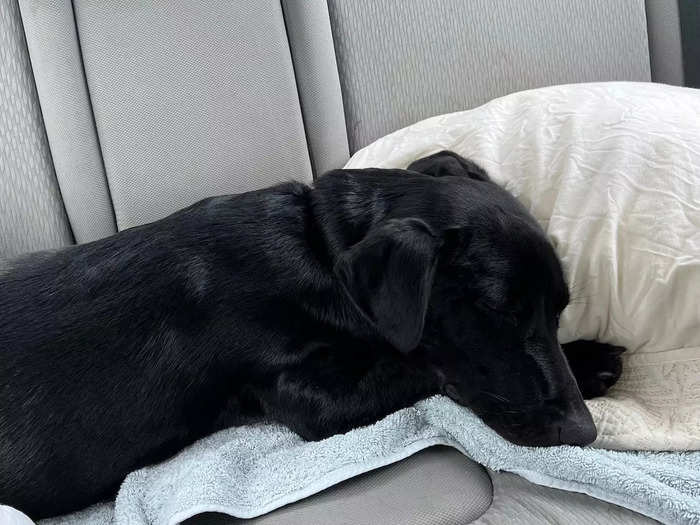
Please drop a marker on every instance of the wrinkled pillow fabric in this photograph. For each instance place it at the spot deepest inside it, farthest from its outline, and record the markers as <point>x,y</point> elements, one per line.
<point>612,172</point>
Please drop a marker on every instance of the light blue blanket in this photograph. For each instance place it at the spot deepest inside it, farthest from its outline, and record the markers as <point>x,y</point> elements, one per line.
<point>248,471</point>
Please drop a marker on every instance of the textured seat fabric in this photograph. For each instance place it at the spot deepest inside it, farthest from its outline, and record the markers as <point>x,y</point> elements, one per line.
<point>53,45</point>
<point>31,212</point>
<point>316,70</point>
<point>516,501</point>
<point>402,61</point>
<point>437,486</point>
<point>191,99</point>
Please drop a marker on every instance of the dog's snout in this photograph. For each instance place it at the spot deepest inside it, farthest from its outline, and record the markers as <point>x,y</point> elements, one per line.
<point>577,429</point>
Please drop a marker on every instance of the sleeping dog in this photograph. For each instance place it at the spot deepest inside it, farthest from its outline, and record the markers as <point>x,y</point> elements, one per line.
<point>322,308</point>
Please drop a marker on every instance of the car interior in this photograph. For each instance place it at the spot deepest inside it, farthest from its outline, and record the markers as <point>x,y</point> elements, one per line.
<point>117,113</point>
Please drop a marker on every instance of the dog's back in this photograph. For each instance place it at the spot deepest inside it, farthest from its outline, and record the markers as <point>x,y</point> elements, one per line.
<point>120,345</point>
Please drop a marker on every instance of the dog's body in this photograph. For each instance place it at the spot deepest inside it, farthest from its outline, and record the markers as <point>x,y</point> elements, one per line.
<point>301,305</point>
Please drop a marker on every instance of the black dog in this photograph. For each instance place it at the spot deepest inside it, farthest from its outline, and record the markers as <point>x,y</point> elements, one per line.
<point>321,308</point>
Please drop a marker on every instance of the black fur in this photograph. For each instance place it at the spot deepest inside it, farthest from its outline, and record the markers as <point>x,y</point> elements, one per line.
<point>321,308</point>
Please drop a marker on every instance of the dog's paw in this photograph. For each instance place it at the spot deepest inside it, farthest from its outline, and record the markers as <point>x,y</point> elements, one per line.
<point>596,366</point>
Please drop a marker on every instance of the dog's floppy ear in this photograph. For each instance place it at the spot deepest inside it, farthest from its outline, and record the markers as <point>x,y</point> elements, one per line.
<point>446,163</point>
<point>389,275</point>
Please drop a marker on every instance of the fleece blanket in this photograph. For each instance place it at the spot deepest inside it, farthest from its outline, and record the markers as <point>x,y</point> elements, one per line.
<point>248,471</point>
<point>612,172</point>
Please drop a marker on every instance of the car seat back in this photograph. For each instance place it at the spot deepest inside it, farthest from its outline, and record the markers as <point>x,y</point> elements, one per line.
<point>400,62</point>
<point>31,212</point>
<point>150,106</point>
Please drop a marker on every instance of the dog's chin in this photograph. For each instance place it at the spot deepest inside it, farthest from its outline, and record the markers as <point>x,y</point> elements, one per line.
<point>579,432</point>
<point>541,437</point>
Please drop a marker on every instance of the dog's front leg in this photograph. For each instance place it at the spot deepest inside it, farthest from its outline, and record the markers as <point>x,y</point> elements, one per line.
<point>596,366</point>
<point>333,392</point>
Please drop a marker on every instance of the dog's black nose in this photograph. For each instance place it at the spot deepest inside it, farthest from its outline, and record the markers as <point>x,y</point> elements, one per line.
<point>577,429</point>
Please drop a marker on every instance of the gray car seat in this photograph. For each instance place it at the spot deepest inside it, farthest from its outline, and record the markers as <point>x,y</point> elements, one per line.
<point>117,113</point>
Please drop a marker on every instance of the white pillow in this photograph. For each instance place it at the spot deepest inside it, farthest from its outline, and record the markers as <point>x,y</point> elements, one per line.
<point>612,172</point>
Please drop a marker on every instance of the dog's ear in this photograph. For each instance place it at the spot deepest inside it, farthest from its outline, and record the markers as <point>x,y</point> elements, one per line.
<point>445,163</point>
<point>389,275</point>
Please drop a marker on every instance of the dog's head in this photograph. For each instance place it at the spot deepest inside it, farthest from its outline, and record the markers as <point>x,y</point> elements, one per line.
<point>452,270</point>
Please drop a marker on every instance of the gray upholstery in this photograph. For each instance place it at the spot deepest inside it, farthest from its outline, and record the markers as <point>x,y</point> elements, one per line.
<point>190,99</point>
<point>316,72</point>
<point>404,60</point>
<point>65,103</point>
<point>666,56</point>
<point>516,501</point>
<point>438,486</point>
<point>31,213</point>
